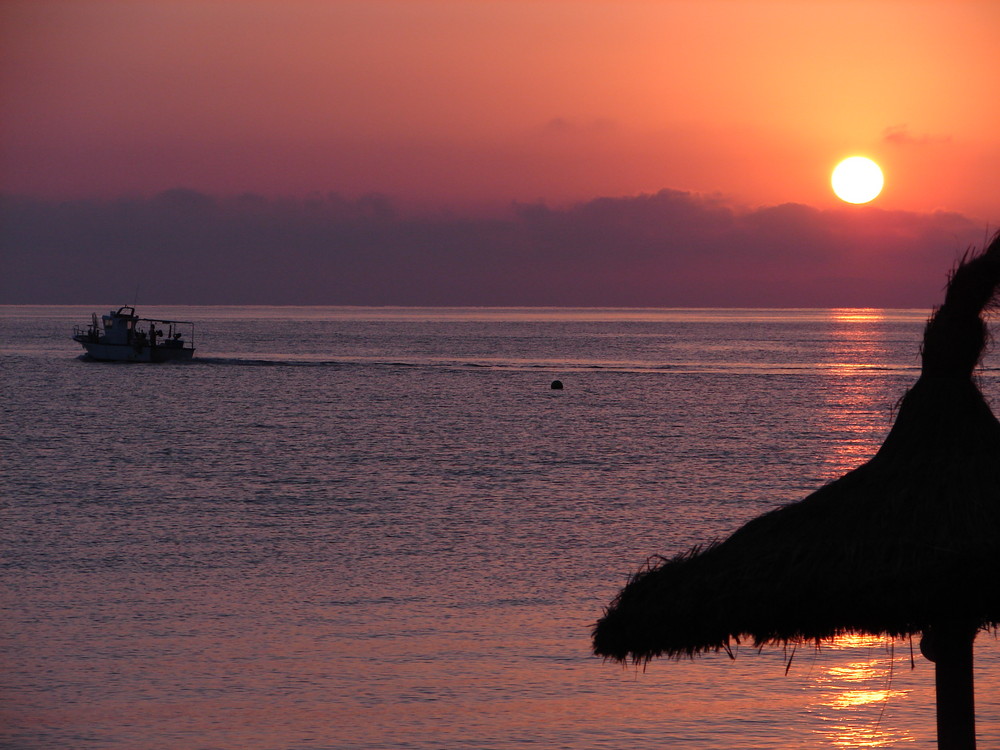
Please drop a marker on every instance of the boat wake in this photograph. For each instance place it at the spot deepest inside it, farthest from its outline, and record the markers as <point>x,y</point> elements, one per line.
<point>748,368</point>
<point>259,362</point>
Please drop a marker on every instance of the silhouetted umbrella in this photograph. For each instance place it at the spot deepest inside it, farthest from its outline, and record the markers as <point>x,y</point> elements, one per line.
<point>906,544</point>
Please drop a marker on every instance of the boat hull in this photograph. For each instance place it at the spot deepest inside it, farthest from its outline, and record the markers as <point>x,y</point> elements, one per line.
<point>129,353</point>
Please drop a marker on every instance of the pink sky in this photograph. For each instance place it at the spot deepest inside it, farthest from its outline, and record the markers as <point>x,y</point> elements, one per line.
<point>446,101</point>
<point>464,110</point>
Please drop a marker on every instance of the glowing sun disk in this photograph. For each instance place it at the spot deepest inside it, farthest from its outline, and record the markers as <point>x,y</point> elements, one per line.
<point>857,179</point>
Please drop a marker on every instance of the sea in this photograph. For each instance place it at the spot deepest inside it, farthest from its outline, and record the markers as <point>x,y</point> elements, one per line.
<point>378,528</point>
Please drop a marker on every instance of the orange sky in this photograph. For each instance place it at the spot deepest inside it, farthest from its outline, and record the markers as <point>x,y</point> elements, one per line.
<point>487,101</point>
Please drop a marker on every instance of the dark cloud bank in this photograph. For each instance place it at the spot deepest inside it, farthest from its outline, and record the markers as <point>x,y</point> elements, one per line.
<point>667,249</point>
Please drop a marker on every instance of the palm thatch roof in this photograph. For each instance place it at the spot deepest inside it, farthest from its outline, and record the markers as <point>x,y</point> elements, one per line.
<point>903,543</point>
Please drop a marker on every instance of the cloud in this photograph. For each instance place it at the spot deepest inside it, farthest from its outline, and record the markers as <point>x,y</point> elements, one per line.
<point>669,248</point>
<point>900,135</point>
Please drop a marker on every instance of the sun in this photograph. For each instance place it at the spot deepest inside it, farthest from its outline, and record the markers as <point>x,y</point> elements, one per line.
<point>857,180</point>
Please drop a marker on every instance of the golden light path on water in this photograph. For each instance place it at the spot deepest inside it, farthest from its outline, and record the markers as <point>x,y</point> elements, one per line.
<point>852,695</point>
<point>855,422</point>
<point>858,315</point>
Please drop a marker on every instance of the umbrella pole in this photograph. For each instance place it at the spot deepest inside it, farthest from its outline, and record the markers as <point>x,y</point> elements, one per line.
<point>950,648</point>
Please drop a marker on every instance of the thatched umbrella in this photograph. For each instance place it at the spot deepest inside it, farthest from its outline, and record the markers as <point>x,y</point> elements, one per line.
<point>905,544</point>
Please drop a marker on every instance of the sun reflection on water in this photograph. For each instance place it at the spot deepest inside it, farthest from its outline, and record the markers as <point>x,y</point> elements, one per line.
<point>853,694</point>
<point>856,683</point>
<point>858,315</point>
<point>855,418</point>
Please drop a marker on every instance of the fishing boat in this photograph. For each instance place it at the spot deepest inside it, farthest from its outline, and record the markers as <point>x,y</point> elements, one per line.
<point>122,336</point>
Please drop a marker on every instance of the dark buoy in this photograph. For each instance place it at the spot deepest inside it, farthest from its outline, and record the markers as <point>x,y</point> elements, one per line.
<point>557,385</point>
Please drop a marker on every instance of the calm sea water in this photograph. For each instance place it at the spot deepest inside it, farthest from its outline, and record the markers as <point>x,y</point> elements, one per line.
<point>380,528</point>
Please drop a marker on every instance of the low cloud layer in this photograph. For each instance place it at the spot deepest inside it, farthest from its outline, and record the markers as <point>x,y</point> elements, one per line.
<point>667,249</point>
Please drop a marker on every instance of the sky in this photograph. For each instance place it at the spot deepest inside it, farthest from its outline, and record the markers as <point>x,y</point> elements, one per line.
<point>689,138</point>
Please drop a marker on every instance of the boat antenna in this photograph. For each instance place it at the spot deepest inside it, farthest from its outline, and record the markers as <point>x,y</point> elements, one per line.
<point>135,297</point>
